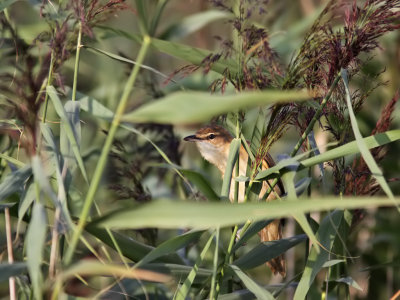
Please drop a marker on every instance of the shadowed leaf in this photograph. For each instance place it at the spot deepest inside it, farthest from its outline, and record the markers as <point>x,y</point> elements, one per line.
<point>179,271</point>
<point>201,183</point>
<point>184,289</point>
<point>6,3</point>
<point>350,282</point>
<point>266,251</point>
<point>189,54</point>
<point>255,288</point>
<point>253,229</point>
<point>130,248</point>
<point>71,134</point>
<point>97,268</point>
<point>326,235</point>
<point>171,246</point>
<point>14,182</point>
<point>192,23</point>
<point>27,199</point>
<point>10,270</point>
<point>288,181</point>
<point>35,240</point>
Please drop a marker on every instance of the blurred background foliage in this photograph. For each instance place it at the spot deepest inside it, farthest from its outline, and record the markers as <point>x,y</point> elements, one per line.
<point>136,172</point>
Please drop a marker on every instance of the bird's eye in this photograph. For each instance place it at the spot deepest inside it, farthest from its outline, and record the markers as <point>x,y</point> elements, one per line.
<point>211,136</point>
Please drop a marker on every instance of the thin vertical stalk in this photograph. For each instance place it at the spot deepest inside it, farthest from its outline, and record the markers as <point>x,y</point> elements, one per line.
<point>231,243</point>
<point>13,295</point>
<point>10,254</point>
<point>56,241</point>
<point>104,153</point>
<point>237,39</point>
<point>238,46</point>
<point>237,167</point>
<point>76,68</point>
<point>54,244</point>
<point>307,248</point>
<point>228,257</point>
<point>46,97</point>
<point>49,80</point>
<point>237,10</point>
<point>214,292</point>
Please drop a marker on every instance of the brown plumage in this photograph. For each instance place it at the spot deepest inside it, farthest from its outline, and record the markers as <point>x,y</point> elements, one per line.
<point>213,143</point>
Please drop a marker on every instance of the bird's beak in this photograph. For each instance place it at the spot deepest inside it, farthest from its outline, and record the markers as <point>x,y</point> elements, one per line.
<point>191,138</point>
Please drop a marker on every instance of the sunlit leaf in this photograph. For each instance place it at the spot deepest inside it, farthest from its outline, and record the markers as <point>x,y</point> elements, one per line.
<point>367,156</point>
<point>373,141</point>
<point>195,107</point>
<point>332,262</point>
<point>179,214</point>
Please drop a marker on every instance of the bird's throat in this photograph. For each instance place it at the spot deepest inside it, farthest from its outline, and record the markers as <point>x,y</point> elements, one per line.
<point>217,155</point>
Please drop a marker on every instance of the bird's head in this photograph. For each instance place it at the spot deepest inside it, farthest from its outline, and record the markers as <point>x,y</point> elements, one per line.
<point>213,143</point>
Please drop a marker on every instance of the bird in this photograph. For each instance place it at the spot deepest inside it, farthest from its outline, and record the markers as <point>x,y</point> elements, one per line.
<point>213,142</point>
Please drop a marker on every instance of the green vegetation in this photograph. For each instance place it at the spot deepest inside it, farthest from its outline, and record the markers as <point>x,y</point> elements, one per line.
<point>100,197</point>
